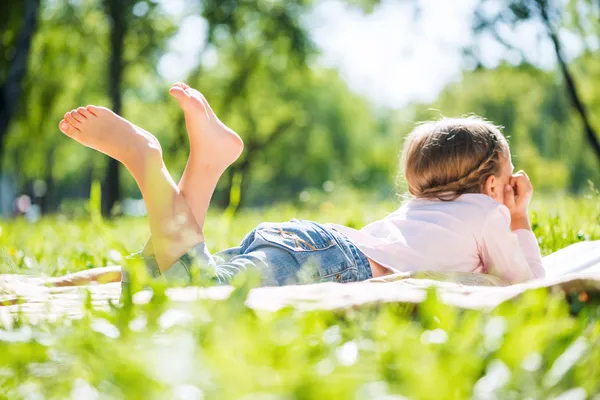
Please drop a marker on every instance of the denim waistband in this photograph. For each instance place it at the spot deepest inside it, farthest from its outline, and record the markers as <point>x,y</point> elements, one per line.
<point>360,259</point>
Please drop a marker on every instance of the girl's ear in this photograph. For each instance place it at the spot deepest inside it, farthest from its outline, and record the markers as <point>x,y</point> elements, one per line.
<point>490,187</point>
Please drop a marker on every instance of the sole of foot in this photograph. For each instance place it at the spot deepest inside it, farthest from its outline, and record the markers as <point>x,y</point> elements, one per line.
<point>210,139</point>
<point>101,129</point>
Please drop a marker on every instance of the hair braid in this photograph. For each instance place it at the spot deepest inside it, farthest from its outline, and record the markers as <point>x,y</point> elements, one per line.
<point>470,183</point>
<point>451,157</point>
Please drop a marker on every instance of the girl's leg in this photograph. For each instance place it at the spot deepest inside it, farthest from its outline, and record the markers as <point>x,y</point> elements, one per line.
<point>172,224</point>
<point>213,148</point>
<point>88,276</point>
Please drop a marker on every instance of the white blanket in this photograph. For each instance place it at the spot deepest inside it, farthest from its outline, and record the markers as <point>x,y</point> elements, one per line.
<point>577,258</point>
<point>575,269</point>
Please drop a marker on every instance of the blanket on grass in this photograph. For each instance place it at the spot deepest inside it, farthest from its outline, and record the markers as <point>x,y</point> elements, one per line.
<point>573,271</point>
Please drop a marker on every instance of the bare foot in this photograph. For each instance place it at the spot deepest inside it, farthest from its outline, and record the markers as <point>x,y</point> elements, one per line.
<point>211,141</point>
<point>101,129</point>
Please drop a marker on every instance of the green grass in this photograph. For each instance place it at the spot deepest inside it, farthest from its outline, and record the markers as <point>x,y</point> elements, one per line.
<point>539,346</point>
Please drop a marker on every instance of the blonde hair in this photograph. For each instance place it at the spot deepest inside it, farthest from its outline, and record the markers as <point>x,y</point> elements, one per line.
<point>447,158</point>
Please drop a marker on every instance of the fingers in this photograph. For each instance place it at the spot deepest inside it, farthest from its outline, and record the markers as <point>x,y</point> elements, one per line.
<point>521,182</point>
<point>523,190</point>
<point>522,175</point>
<point>509,197</point>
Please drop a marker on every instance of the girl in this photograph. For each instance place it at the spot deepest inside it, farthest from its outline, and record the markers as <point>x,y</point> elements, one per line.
<point>467,213</point>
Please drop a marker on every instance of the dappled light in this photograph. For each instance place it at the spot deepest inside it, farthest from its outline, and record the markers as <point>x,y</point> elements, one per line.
<point>303,199</point>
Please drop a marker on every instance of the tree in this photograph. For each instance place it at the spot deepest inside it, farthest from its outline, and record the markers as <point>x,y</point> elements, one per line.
<point>550,14</point>
<point>67,35</point>
<point>265,85</point>
<point>18,24</point>
<point>530,105</point>
<point>131,22</point>
<point>265,56</point>
<point>258,35</point>
<point>118,11</point>
<point>65,72</point>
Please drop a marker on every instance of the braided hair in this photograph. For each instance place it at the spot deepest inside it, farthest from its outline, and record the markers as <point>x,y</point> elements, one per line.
<point>453,156</point>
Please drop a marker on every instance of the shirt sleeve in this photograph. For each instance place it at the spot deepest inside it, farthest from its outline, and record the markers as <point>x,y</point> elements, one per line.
<point>511,255</point>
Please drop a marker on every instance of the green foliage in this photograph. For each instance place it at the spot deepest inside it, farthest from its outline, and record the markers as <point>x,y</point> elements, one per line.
<point>533,347</point>
<point>568,117</point>
<point>544,134</point>
<point>305,132</point>
<point>264,83</point>
<point>10,23</point>
<point>95,203</point>
<point>302,125</point>
<point>67,70</point>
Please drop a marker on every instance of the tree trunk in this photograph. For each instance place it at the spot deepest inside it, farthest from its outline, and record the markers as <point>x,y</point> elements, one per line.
<point>570,85</point>
<point>2,145</point>
<point>117,14</point>
<point>11,89</point>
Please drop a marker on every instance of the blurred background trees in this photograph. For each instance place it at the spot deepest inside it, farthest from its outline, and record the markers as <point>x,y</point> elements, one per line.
<point>19,23</point>
<point>305,129</point>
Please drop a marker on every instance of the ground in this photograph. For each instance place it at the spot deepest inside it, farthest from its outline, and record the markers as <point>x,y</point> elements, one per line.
<point>539,346</point>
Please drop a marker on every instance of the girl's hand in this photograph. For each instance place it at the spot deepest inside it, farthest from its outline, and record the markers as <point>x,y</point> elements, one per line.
<point>516,198</point>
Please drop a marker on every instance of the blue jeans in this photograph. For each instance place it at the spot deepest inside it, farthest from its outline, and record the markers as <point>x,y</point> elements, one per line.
<point>293,252</point>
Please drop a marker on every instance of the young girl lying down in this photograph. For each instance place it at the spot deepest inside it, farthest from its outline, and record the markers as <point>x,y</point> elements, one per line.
<point>467,213</point>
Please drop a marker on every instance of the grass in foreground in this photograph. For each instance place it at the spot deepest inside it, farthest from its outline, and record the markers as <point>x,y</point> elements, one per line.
<point>535,347</point>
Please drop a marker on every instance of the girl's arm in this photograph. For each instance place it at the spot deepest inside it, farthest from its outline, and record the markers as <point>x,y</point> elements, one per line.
<point>513,255</point>
<point>510,247</point>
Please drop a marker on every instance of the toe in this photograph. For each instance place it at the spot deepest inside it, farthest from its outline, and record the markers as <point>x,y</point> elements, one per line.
<point>83,112</point>
<point>98,111</point>
<point>181,85</point>
<point>179,93</point>
<point>66,128</point>
<point>77,117</point>
<point>72,121</point>
<point>94,110</point>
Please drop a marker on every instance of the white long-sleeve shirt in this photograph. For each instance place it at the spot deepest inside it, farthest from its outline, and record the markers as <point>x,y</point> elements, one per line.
<point>469,234</point>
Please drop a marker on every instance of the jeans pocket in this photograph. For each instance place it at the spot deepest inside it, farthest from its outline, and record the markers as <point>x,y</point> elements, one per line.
<point>296,235</point>
<point>340,273</point>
